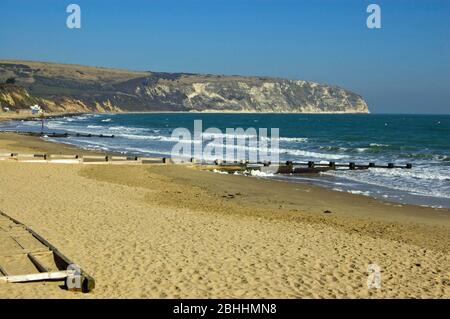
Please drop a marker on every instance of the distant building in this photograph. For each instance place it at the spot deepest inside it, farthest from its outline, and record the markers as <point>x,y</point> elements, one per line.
<point>35,109</point>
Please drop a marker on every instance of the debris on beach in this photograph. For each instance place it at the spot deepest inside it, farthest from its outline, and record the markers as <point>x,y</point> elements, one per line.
<point>25,256</point>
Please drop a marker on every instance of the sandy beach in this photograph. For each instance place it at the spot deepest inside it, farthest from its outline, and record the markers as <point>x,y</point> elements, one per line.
<point>170,231</point>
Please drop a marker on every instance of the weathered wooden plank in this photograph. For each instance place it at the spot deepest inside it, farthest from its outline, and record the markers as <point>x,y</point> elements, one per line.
<point>37,263</point>
<point>92,159</point>
<point>39,276</point>
<point>24,252</point>
<point>88,283</point>
<point>3,271</point>
<point>63,156</point>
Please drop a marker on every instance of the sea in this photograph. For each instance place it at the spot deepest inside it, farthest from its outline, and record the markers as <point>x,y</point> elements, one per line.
<point>422,140</point>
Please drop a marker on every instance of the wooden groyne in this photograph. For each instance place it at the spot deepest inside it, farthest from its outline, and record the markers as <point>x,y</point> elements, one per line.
<point>58,135</point>
<point>311,166</point>
<point>288,167</point>
<point>291,167</point>
<point>68,158</point>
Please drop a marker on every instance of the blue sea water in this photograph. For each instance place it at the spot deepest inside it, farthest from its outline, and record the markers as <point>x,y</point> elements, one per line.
<point>423,140</point>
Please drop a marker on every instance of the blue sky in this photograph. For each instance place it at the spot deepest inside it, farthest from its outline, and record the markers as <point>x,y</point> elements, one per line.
<point>404,67</point>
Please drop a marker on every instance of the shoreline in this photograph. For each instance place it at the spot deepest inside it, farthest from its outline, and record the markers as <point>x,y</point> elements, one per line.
<point>34,143</point>
<point>80,150</point>
<point>173,231</point>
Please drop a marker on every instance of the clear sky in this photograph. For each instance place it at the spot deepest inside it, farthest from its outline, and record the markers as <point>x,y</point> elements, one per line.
<point>404,67</point>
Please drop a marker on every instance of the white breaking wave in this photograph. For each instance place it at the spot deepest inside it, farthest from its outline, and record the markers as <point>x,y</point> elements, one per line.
<point>260,174</point>
<point>294,139</point>
<point>219,172</point>
<point>423,183</point>
<point>255,173</point>
<point>416,173</point>
<point>309,154</point>
<point>378,145</point>
<point>250,136</point>
<point>356,192</point>
<point>127,129</point>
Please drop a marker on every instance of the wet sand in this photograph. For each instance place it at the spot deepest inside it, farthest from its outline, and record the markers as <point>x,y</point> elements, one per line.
<point>169,231</point>
<point>11,142</point>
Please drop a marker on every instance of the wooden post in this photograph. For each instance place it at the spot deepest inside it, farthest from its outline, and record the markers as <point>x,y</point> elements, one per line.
<point>288,169</point>
<point>3,271</point>
<point>390,165</point>
<point>371,164</point>
<point>352,165</point>
<point>37,263</point>
<point>332,165</point>
<point>42,122</point>
<point>310,164</point>
<point>409,166</point>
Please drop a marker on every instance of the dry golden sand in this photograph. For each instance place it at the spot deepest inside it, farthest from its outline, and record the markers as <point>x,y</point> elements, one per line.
<point>171,231</point>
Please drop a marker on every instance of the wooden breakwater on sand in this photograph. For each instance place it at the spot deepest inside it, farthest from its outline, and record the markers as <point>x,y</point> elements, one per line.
<point>288,167</point>
<point>59,135</point>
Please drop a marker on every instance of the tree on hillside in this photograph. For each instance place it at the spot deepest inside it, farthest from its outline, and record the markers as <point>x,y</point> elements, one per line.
<point>10,80</point>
